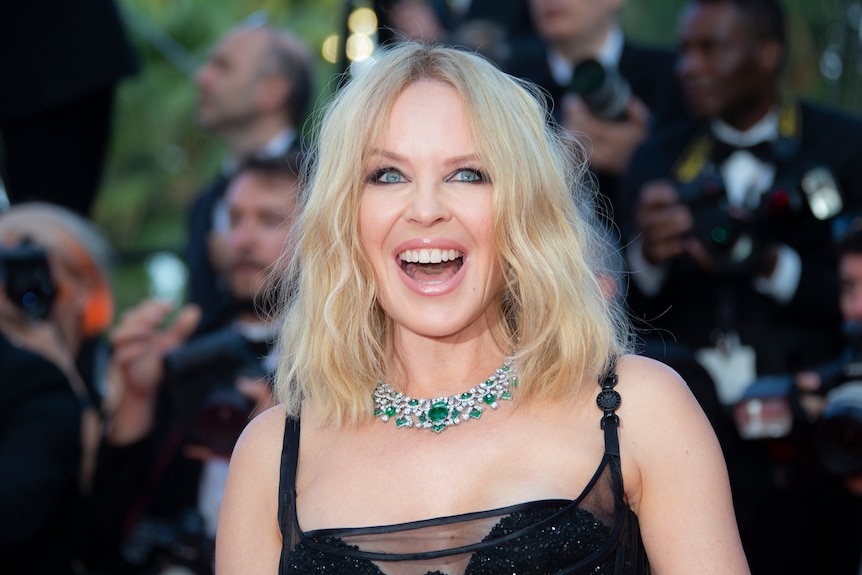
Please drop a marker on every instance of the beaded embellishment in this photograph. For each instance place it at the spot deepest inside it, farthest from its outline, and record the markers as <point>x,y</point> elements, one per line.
<point>443,412</point>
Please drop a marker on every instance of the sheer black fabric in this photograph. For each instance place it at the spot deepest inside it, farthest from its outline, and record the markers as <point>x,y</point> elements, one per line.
<point>595,533</point>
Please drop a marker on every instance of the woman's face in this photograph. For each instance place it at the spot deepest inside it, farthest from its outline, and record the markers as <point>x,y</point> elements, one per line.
<point>426,218</point>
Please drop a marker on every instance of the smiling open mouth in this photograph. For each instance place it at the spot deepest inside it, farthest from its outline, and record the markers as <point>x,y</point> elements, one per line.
<point>431,266</point>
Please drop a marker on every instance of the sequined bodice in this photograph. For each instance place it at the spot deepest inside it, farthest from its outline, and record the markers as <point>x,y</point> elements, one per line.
<point>595,533</point>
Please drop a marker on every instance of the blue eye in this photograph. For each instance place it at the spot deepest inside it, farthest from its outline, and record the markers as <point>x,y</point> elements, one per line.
<point>468,175</point>
<point>387,176</point>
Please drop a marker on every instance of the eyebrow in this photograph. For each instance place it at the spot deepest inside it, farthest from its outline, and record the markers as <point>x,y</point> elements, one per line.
<point>466,158</point>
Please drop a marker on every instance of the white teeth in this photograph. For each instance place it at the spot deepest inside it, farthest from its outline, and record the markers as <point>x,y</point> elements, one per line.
<point>426,256</point>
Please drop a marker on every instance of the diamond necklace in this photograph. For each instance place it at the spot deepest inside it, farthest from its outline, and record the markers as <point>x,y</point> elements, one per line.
<point>441,412</point>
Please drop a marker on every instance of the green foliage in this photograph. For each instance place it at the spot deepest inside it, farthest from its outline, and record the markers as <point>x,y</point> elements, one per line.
<point>159,159</point>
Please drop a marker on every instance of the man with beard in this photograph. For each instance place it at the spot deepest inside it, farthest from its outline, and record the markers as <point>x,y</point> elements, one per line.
<point>732,255</point>
<point>254,93</point>
<point>178,399</point>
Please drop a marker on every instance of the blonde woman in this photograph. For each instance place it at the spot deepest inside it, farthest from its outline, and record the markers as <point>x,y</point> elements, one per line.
<point>447,332</point>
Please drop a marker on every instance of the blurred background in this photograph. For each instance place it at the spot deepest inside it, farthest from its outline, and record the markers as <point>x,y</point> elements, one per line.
<point>159,158</point>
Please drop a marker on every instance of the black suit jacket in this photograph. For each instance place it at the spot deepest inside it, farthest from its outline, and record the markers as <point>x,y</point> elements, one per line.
<point>787,336</point>
<point>40,451</point>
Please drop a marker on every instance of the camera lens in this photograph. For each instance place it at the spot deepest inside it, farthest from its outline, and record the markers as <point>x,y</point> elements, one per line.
<point>605,93</point>
<point>838,436</point>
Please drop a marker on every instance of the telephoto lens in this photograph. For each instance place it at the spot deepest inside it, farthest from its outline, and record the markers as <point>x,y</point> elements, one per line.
<point>838,432</point>
<point>605,93</point>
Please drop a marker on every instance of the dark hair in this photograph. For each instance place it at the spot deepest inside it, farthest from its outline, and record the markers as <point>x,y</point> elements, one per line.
<point>288,165</point>
<point>288,57</point>
<point>851,241</point>
<point>765,17</point>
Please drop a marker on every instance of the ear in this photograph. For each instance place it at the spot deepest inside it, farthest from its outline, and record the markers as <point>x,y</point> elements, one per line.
<point>770,55</point>
<point>273,92</point>
<point>98,311</point>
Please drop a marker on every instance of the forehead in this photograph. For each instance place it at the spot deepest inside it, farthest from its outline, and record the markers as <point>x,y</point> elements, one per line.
<point>242,46</point>
<point>712,20</point>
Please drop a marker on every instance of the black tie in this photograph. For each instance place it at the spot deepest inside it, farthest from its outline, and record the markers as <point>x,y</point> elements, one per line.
<point>722,150</point>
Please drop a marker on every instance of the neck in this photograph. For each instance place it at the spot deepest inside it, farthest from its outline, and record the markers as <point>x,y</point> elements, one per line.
<point>243,143</point>
<point>576,50</point>
<point>431,368</point>
<point>745,116</point>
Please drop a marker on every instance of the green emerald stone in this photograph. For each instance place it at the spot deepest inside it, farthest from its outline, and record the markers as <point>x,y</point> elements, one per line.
<point>465,395</point>
<point>377,412</point>
<point>439,411</point>
<point>422,418</point>
<point>489,399</point>
<point>438,428</point>
<point>390,411</point>
<point>476,413</point>
<point>402,421</point>
<point>413,402</point>
<point>507,395</point>
<point>514,382</point>
<point>505,368</point>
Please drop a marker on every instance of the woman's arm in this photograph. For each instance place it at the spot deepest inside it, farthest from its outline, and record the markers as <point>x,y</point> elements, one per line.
<point>676,479</point>
<point>248,539</point>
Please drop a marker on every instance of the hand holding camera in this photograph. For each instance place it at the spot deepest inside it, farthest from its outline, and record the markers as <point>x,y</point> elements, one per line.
<point>663,223</point>
<point>140,344</point>
<point>599,103</point>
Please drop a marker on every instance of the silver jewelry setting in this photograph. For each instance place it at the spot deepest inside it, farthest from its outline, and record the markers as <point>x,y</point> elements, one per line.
<point>441,413</point>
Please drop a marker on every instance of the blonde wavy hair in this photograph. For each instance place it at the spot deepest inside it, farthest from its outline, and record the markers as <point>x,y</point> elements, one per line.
<point>553,309</point>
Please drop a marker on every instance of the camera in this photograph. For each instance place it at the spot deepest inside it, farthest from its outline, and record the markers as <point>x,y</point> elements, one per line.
<point>174,543</point>
<point>770,409</point>
<point>731,238</point>
<point>26,274</point>
<point>735,237</point>
<point>603,90</point>
<point>202,377</point>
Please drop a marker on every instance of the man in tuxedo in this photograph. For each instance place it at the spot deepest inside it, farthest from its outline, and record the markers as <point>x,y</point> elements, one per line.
<point>254,93</point>
<point>574,32</point>
<point>731,256</point>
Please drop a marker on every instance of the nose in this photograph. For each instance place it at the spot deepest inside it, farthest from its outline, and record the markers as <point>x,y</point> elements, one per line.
<point>426,205</point>
<point>201,75</point>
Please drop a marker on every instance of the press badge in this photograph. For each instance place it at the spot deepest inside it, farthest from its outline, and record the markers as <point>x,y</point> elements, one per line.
<point>731,365</point>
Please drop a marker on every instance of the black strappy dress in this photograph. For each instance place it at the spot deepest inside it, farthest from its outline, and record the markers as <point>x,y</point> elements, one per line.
<point>596,533</point>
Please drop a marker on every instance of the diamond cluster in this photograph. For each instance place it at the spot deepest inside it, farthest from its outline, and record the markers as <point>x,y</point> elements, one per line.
<point>442,412</point>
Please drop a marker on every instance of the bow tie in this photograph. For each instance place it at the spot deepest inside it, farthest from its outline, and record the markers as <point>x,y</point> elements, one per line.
<point>763,151</point>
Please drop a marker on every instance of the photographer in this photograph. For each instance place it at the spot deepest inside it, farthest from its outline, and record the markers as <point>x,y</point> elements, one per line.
<point>55,303</point>
<point>602,87</point>
<point>831,394</point>
<point>182,397</point>
<point>732,255</point>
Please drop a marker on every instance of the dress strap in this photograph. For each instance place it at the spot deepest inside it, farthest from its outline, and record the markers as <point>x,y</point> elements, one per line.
<point>287,475</point>
<point>608,401</point>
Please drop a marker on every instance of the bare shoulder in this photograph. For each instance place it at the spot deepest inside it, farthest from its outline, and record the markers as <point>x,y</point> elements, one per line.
<point>249,538</point>
<point>263,437</point>
<point>648,385</point>
<point>659,417</point>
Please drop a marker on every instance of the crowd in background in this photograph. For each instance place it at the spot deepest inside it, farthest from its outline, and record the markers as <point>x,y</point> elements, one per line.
<point>732,202</point>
